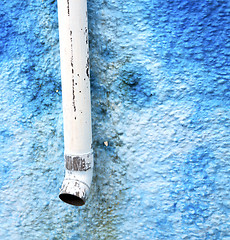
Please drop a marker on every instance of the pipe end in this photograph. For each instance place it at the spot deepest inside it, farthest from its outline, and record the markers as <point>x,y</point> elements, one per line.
<point>71,199</point>
<point>74,192</point>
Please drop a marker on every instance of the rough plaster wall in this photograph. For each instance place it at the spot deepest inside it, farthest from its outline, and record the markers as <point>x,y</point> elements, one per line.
<point>160,97</point>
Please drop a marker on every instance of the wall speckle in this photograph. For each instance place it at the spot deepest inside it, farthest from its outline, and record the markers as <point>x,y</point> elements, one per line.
<point>161,122</point>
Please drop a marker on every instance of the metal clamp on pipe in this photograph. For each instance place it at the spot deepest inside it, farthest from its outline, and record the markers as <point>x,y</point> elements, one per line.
<point>74,54</point>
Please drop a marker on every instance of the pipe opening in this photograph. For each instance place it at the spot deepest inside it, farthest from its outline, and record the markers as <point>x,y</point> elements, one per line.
<point>71,199</point>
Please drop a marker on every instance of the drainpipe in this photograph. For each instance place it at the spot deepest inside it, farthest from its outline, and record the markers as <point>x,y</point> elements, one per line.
<point>74,54</point>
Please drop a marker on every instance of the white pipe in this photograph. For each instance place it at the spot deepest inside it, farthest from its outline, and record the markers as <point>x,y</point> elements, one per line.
<point>74,54</point>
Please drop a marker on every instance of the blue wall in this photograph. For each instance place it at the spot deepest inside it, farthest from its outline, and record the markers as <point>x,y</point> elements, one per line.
<point>160,97</point>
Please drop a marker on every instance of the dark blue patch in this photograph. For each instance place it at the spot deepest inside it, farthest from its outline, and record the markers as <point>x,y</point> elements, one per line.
<point>136,84</point>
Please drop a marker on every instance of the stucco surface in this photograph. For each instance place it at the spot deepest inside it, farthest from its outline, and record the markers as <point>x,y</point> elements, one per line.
<point>160,98</point>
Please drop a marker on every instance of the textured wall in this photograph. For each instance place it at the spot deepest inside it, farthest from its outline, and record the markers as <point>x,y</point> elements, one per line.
<point>160,97</point>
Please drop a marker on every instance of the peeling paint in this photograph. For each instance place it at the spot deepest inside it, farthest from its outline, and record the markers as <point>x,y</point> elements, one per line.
<point>77,163</point>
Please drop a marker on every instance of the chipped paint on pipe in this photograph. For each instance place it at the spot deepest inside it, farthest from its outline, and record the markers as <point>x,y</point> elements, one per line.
<point>74,54</point>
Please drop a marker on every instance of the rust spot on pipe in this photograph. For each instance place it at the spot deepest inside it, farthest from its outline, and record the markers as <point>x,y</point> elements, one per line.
<point>87,67</point>
<point>68,11</point>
